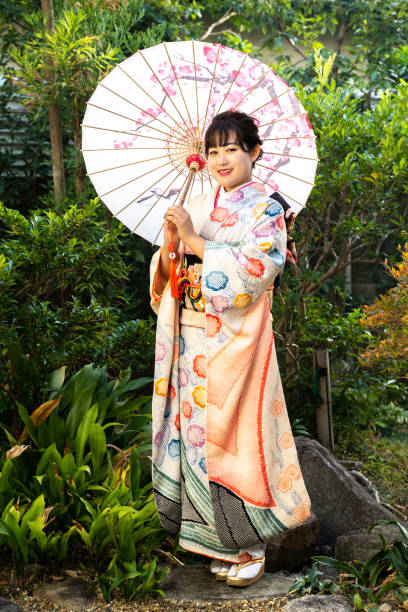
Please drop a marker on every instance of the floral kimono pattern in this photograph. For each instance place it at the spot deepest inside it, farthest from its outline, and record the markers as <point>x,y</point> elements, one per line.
<point>225,466</point>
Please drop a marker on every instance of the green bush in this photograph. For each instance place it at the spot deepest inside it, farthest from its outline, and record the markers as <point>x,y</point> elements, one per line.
<point>81,464</point>
<point>386,571</point>
<point>64,296</point>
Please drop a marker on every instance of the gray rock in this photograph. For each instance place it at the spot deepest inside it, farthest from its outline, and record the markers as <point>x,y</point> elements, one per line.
<point>340,502</point>
<point>8,606</point>
<point>319,603</point>
<point>71,593</point>
<point>358,545</point>
<point>195,583</point>
<point>293,548</point>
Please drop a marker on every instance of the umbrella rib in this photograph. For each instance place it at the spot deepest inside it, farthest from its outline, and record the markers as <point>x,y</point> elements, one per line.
<point>196,88</point>
<point>252,88</point>
<point>178,85</point>
<point>133,179</point>
<point>271,100</point>
<point>283,119</point>
<point>209,94</point>
<point>105,129</point>
<point>143,192</point>
<point>290,155</point>
<point>164,89</point>
<point>178,195</point>
<point>107,110</point>
<point>279,191</point>
<point>149,96</point>
<point>153,205</point>
<point>232,82</point>
<point>286,174</point>
<point>140,161</point>
<point>140,108</point>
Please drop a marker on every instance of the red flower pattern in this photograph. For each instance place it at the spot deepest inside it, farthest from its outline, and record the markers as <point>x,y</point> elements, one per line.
<point>200,365</point>
<point>213,325</point>
<point>255,267</point>
<point>219,214</point>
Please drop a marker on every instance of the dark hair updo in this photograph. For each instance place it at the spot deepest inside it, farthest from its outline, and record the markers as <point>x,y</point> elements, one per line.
<point>244,126</point>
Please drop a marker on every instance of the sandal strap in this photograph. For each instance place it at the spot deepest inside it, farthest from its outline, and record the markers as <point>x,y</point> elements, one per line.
<point>248,563</point>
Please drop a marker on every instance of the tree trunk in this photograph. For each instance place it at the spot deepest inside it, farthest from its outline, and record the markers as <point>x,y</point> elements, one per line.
<point>79,169</point>
<point>57,154</point>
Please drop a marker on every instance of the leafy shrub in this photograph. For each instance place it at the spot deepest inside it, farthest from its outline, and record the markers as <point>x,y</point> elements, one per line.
<point>79,458</point>
<point>385,571</point>
<point>361,397</point>
<point>388,318</point>
<point>62,292</point>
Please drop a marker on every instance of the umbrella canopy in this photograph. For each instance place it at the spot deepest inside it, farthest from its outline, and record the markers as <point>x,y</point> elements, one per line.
<point>147,118</point>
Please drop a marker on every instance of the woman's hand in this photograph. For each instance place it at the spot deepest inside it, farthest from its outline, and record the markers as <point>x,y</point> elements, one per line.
<point>182,221</point>
<point>168,227</point>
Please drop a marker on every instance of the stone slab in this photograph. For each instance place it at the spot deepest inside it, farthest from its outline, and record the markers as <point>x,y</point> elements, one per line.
<point>293,548</point>
<point>319,603</point>
<point>358,545</point>
<point>8,606</point>
<point>71,593</point>
<point>341,503</point>
<point>195,583</point>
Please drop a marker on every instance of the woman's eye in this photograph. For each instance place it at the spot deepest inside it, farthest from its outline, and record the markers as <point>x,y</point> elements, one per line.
<point>231,149</point>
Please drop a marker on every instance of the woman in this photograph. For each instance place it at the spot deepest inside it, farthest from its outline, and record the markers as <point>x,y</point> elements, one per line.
<point>225,467</point>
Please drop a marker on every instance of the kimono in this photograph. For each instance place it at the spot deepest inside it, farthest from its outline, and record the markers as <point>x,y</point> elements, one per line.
<point>225,467</point>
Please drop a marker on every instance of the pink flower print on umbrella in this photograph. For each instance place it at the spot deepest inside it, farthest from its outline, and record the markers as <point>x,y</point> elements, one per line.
<point>219,303</point>
<point>240,79</point>
<point>234,97</point>
<point>186,69</point>
<point>196,435</point>
<point>161,351</point>
<point>151,111</point>
<point>210,54</point>
<point>170,91</point>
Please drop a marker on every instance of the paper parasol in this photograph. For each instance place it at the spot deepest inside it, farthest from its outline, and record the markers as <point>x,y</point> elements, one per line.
<point>148,117</point>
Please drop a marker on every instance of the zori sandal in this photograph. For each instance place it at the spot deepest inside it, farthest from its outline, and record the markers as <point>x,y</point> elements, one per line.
<point>220,569</point>
<point>244,574</point>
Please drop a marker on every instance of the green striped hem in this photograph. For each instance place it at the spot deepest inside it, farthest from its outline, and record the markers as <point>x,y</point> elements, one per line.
<point>167,486</point>
<point>265,522</point>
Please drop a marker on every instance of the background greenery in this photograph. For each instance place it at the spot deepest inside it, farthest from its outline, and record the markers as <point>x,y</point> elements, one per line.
<point>73,282</point>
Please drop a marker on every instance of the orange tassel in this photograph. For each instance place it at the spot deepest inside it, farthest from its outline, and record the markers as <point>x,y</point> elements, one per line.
<point>173,269</point>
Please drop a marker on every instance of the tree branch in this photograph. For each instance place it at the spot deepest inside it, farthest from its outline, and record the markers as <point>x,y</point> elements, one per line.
<point>221,20</point>
<point>290,41</point>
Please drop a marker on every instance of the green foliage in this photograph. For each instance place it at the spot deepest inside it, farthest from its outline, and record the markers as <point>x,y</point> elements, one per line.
<point>63,279</point>
<point>86,482</point>
<point>386,571</point>
<point>356,211</point>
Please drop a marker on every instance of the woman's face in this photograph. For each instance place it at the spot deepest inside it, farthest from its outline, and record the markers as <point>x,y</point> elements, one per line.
<point>230,165</point>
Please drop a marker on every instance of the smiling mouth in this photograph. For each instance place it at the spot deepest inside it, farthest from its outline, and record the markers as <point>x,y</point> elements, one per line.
<point>225,171</point>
